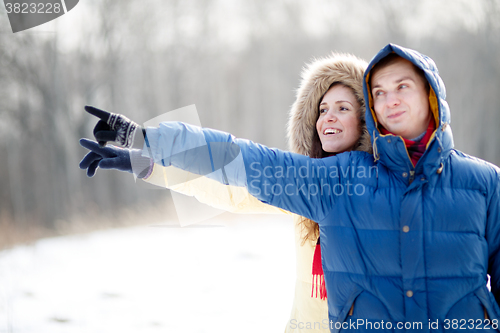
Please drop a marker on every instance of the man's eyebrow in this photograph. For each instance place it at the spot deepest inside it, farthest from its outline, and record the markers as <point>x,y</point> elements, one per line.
<point>396,81</point>
<point>405,78</point>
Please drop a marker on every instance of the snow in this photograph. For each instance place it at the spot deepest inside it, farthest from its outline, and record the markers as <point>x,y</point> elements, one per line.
<point>157,278</point>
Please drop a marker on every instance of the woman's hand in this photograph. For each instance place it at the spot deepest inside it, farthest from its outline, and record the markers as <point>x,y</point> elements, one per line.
<point>114,127</point>
<point>111,157</point>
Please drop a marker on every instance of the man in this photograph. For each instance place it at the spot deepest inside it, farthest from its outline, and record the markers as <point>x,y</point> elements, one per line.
<point>400,95</point>
<point>407,248</point>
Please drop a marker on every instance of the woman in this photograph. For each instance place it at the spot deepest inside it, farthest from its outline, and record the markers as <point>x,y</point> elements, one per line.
<point>325,82</point>
<point>327,118</point>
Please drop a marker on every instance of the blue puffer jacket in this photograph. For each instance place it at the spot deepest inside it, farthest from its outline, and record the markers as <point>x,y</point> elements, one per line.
<point>403,248</point>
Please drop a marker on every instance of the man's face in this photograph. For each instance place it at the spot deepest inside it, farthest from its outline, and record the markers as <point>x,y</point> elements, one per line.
<point>400,99</point>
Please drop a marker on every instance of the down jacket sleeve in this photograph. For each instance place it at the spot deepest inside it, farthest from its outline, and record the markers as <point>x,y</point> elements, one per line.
<point>493,238</point>
<point>282,179</point>
<point>210,192</point>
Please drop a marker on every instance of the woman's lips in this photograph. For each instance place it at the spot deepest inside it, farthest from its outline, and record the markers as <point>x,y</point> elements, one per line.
<point>331,131</point>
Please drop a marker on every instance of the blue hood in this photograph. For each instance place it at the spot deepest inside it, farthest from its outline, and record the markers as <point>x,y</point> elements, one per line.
<point>390,149</point>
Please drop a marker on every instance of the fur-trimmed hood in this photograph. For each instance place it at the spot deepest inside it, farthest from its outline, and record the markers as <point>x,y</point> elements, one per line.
<point>317,77</point>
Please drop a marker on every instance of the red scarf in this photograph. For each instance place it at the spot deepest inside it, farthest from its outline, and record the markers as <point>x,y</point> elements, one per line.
<point>416,148</point>
<point>318,281</point>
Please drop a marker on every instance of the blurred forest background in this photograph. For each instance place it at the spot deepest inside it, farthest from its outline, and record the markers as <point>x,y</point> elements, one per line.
<point>238,61</point>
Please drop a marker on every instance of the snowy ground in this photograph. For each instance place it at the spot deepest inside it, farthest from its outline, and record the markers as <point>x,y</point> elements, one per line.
<point>237,278</point>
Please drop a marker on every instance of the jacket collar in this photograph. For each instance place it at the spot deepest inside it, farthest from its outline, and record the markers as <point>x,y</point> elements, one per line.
<point>389,149</point>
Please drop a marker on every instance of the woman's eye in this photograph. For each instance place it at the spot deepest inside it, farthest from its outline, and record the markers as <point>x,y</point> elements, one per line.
<point>379,93</point>
<point>402,86</point>
<point>343,108</point>
<point>321,111</point>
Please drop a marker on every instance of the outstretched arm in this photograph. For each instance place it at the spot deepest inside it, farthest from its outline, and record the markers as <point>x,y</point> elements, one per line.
<point>208,191</point>
<point>285,180</point>
<point>282,179</point>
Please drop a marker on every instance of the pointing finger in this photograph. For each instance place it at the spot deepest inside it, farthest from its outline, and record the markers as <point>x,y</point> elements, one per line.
<point>94,147</point>
<point>104,115</point>
<point>89,144</point>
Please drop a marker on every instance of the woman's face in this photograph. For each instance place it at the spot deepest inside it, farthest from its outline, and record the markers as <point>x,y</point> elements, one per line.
<point>338,123</point>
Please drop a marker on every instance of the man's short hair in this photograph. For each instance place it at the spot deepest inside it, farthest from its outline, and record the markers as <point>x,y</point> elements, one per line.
<point>393,58</point>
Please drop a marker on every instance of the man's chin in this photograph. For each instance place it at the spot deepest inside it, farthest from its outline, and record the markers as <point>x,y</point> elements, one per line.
<point>394,129</point>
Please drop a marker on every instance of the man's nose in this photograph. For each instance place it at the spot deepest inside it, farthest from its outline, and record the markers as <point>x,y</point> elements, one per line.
<point>392,99</point>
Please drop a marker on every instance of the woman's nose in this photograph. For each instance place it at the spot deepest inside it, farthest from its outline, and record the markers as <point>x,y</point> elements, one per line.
<point>331,117</point>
